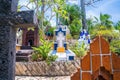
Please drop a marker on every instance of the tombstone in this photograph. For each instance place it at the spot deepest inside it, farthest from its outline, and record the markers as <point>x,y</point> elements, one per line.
<point>84,38</point>
<point>9,20</point>
<point>60,45</point>
<point>99,63</point>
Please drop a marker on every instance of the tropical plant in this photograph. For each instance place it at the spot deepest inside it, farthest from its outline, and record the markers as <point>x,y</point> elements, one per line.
<point>75,27</point>
<point>105,21</point>
<point>90,24</point>
<point>72,19</point>
<point>68,36</point>
<point>115,46</point>
<point>49,31</point>
<point>51,58</point>
<point>43,49</point>
<point>35,57</point>
<point>78,49</point>
<point>102,26</point>
<point>42,52</point>
<point>117,26</point>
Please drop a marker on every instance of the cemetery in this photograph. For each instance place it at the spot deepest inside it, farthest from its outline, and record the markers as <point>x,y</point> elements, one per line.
<point>56,40</point>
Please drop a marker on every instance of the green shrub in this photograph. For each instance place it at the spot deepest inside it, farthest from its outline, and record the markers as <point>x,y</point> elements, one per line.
<point>35,57</point>
<point>51,58</point>
<point>41,52</point>
<point>79,50</point>
<point>75,36</point>
<point>43,49</point>
<point>115,46</point>
<point>68,36</point>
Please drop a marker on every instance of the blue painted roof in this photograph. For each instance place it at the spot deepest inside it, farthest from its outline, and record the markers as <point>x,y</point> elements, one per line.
<point>60,30</point>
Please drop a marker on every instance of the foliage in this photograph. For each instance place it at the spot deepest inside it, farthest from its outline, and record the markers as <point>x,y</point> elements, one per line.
<point>76,36</point>
<point>79,50</point>
<point>51,58</point>
<point>102,26</point>
<point>105,20</point>
<point>72,12</point>
<point>90,24</point>
<point>46,23</point>
<point>68,36</point>
<point>115,46</point>
<point>72,19</point>
<point>117,26</point>
<point>75,27</point>
<point>107,33</point>
<point>42,50</point>
<point>35,57</point>
<point>41,34</point>
<point>50,30</point>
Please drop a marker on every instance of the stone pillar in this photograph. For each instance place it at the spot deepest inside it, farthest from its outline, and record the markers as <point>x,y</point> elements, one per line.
<point>9,20</point>
<point>7,52</point>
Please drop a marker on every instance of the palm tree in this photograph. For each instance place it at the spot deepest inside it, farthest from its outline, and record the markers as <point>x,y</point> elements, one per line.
<point>105,21</point>
<point>90,24</point>
<point>104,26</point>
<point>117,26</point>
<point>73,20</point>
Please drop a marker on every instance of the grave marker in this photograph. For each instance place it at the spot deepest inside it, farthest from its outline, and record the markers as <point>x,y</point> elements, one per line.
<point>60,45</point>
<point>9,20</point>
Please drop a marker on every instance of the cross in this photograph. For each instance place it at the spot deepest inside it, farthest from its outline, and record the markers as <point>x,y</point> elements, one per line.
<point>9,21</point>
<point>60,39</point>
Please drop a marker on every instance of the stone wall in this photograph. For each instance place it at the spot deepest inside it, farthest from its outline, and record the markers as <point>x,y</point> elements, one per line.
<point>63,68</point>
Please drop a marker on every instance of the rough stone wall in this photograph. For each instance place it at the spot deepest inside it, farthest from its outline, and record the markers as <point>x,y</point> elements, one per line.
<point>99,62</point>
<point>18,19</point>
<point>7,52</point>
<point>43,69</point>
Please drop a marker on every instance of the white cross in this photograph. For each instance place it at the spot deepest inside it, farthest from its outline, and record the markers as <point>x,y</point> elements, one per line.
<point>60,39</point>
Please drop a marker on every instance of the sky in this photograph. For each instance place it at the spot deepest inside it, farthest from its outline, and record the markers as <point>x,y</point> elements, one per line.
<point>110,7</point>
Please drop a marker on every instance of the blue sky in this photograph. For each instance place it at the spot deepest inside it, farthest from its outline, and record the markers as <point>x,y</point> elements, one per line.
<point>111,7</point>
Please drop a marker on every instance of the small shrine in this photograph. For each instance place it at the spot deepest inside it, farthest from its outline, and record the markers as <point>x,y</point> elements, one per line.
<point>60,45</point>
<point>84,38</point>
<point>30,38</point>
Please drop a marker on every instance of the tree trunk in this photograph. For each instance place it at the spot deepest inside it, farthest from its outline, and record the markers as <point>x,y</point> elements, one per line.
<point>42,13</point>
<point>84,24</point>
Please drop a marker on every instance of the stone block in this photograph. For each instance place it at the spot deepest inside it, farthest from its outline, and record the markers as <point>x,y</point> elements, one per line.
<point>7,6</point>
<point>95,47</point>
<point>76,76</point>
<point>106,62</point>
<point>85,62</point>
<point>95,63</point>
<point>116,76</point>
<point>86,76</point>
<point>115,62</point>
<point>105,48</point>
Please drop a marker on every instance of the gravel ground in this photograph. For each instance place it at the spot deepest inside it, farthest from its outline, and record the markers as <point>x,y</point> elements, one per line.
<point>42,78</point>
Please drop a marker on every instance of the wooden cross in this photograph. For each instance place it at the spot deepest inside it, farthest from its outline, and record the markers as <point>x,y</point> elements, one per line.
<point>9,20</point>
